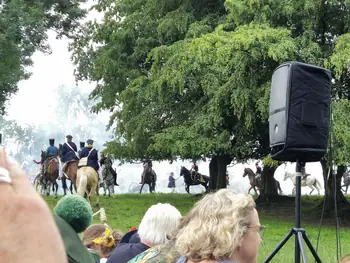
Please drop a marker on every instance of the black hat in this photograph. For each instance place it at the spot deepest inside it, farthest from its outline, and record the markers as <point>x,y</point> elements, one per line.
<point>52,140</point>
<point>82,144</point>
<point>69,137</point>
<point>90,141</point>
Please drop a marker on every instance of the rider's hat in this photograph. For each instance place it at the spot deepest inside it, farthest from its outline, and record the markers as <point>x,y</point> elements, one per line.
<point>69,137</point>
<point>82,144</point>
<point>52,140</point>
<point>90,141</point>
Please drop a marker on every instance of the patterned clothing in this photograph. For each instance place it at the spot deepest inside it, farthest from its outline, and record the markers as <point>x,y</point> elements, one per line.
<point>183,260</point>
<point>160,253</point>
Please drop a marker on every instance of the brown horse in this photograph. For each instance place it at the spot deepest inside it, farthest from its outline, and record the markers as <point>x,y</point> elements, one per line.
<point>257,182</point>
<point>51,175</point>
<point>71,172</point>
<point>254,182</point>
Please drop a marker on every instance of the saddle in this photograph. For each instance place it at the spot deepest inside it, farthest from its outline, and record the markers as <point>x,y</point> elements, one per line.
<point>50,160</point>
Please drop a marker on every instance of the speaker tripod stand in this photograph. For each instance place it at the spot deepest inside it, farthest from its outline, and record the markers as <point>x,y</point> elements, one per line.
<point>300,233</point>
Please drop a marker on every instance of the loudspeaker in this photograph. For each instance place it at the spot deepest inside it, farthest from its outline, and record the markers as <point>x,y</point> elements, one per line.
<point>299,118</point>
<point>0,138</point>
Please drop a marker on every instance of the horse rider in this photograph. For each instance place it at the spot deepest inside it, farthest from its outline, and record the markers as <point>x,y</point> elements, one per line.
<point>258,171</point>
<point>303,173</point>
<point>51,152</point>
<point>92,156</point>
<point>148,163</point>
<point>194,172</point>
<point>108,164</point>
<point>69,152</point>
<point>82,145</point>
<point>41,167</point>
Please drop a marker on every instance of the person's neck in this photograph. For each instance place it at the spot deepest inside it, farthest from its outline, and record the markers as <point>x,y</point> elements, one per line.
<point>147,243</point>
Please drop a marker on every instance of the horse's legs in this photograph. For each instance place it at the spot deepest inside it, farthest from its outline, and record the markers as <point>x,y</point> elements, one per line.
<point>312,189</point>
<point>142,187</point>
<point>251,187</point>
<point>187,188</point>
<point>97,196</point>
<point>346,191</point>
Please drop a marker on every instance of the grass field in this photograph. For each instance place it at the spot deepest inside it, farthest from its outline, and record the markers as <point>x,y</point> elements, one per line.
<point>126,211</point>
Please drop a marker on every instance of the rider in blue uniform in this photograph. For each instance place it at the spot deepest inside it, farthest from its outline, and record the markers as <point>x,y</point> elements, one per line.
<point>69,152</point>
<point>92,154</point>
<point>51,152</point>
<point>82,145</point>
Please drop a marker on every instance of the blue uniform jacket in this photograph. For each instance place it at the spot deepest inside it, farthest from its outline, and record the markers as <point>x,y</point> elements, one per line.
<point>67,153</point>
<point>52,151</point>
<point>93,157</point>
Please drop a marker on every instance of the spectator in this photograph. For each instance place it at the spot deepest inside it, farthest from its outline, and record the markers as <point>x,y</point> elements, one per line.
<point>100,241</point>
<point>221,227</point>
<point>158,221</point>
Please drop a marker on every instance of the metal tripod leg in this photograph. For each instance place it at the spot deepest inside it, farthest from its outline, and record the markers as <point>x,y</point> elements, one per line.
<point>313,251</point>
<point>301,246</point>
<point>279,246</point>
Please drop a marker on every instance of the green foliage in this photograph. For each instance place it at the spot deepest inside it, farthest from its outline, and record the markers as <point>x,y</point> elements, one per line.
<point>268,161</point>
<point>188,80</point>
<point>341,132</point>
<point>24,25</point>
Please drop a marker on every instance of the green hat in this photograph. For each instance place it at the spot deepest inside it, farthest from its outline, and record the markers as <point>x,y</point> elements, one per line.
<point>73,215</point>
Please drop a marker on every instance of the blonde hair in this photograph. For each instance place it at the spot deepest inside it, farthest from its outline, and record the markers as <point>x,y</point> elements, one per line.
<point>97,231</point>
<point>214,227</point>
<point>345,259</point>
<point>159,221</point>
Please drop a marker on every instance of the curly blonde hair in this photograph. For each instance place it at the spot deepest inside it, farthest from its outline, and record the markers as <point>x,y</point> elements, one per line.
<point>215,226</point>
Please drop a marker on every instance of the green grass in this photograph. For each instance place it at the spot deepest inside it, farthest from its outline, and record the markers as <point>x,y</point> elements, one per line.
<point>126,211</point>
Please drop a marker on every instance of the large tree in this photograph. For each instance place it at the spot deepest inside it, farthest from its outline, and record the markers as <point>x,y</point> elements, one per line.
<point>187,79</point>
<point>24,25</point>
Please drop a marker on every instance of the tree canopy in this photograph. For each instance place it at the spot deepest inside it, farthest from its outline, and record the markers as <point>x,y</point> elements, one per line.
<point>187,78</point>
<point>24,25</point>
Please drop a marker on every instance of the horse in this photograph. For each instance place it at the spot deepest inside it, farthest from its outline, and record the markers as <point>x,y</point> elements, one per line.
<point>309,181</point>
<point>257,182</point>
<point>346,184</point>
<point>254,182</point>
<point>87,183</point>
<point>189,181</point>
<point>51,176</point>
<point>148,177</point>
<point>108,179</point>
<point>71,173</point>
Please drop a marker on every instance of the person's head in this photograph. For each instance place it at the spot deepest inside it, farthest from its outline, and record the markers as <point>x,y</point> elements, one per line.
<point>221,226</point>
<point>100,238</point>
<point>157,223</point>
<point>90,143</point>
<point>345,259</point>
<point>82,145</point>
<point>51,142</point>
<point>69,138</point>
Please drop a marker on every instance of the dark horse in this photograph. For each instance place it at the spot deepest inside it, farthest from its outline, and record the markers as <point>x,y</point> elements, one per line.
<point>188,179</point>
<point>257,182</point>
<point>51,175</point>
<point>71,172</point>
<point>149,177</point>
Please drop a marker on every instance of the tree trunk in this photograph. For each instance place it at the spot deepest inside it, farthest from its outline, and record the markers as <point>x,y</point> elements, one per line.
<point>217,170</point>
<point>333,192</point>
<point>269,191</point>
<point>213,172</point>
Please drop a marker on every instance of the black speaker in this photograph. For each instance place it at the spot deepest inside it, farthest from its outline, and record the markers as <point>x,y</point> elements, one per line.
<point>299,118</point>
<point>0,138</point>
